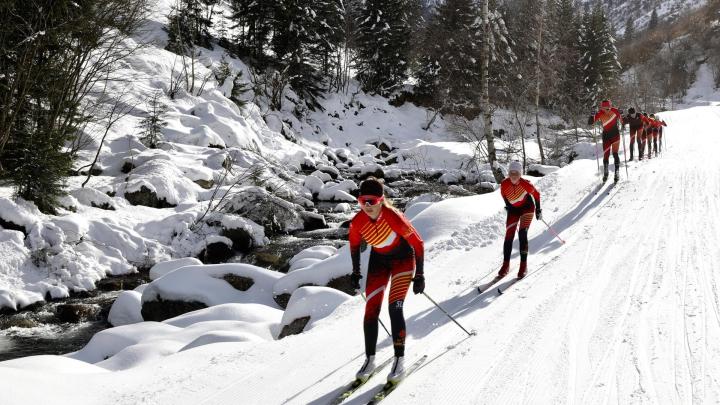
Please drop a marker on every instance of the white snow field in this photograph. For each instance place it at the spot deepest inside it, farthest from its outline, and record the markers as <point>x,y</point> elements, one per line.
<point>627,311</point>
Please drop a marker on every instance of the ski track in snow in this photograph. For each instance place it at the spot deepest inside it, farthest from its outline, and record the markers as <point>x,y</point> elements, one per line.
<point>626,312</point>
<point>634,317</point>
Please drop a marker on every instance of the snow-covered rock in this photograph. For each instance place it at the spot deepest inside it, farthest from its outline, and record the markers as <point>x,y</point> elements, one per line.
<point>308,305</point>
<point>158,183</point>
<point>126,309</point>
<point>162,268</point>
<point>196,287</point>
<point>93,198</point>
<point>536,169</point>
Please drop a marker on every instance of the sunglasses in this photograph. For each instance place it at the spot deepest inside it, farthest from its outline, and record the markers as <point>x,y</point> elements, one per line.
<point>370,200</point>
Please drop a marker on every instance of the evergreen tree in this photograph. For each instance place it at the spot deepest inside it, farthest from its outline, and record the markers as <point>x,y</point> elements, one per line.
<point>383,45</point>
<point>189,25</point>
<point>253,21</point>
<point>598,57</point>
<point>449,68</point>
<point>328,25</point>
<point>629,30</point>
<point>569,80</point>
<point>501,53</point>
<point>653,19</point>
<point>151,126</point>
<point>300,46</point>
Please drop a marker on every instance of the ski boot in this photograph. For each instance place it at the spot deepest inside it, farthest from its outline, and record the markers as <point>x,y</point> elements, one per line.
<point>504,269</point>
<point>397,372</point>
<point>617,176</point>
<point>523,270</point>
<point>367,369</point>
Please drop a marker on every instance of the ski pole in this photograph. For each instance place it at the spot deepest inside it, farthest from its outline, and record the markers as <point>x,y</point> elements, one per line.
<point>553,231</point>
<point>379,320</point>
<point>627,176</point>
<point>448,315</point>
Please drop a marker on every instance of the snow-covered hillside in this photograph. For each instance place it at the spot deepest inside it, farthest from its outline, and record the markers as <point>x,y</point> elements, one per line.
<point>145,205</point>
<point>619,11</point>
<point>626,311</point>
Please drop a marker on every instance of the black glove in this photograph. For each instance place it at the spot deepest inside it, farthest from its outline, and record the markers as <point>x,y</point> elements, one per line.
<point>355,280</point>
<point>538,214</point>
<point>419,284</point>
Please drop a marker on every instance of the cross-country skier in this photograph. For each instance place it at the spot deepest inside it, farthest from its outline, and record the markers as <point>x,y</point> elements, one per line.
<point>521,201</point>
<point>397,252</point>
<point>610,118</point>
<point>656,125</point>
<point>634,119</point>
<point>646,135</point>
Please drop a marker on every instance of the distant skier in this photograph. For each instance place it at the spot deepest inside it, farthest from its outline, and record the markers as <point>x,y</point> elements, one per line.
<point>658,125</point>
<point>397,250</point>
<point>634,120</point>
<point>647,135</point>
<point>610,118</point>
<point>521,201</point>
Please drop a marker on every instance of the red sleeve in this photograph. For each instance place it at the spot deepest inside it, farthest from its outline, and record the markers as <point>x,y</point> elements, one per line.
<point>619,116</point>
<point>355,239</point>
<point>597,116</point>
<point>400,224</point>
<point>531,190</point>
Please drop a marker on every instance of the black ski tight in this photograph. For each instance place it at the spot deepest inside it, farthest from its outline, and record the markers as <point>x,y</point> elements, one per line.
<point>512,222</point>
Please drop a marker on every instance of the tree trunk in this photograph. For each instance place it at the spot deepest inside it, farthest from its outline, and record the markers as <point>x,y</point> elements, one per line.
<point>485,101</point>
<point>537,83</point>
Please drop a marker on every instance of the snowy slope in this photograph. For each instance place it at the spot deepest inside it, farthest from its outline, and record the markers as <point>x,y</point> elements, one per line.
<point>618,11</point>
<point>627,311</point>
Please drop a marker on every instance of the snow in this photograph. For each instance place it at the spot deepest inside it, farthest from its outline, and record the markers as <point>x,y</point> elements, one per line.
<point>626,311</point>
<point>703,91</point>
<point>623,312</point>
<point>127,307</point>
<point>162,178</point>
<point>165,267</point>
<point>205,284</point>
<point>315,302</point>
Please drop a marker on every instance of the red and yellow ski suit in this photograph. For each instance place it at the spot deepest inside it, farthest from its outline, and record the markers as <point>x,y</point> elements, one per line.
<point>396,250</point>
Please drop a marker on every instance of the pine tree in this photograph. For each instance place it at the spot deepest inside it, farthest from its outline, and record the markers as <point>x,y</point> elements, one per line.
<point>151,126</point>
<point>383,45</point>
<point>598,57</point>
<point>449,68</point>
<point>299,47</point>
<point>328,27</point>
<point>653,19</point>
<point>189,25</point>
<point>569,78</point>
<point>629,30</point>
<point>253,21</point>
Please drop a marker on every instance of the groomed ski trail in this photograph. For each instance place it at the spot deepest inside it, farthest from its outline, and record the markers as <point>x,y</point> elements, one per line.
<point>627,313</point>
